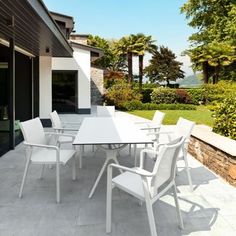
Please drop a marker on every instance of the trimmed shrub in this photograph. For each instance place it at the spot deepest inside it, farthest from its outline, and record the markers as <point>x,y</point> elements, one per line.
<point>146,93</point>
<point>163,95</point>
<point>132,105</point>
<point>137,105</point>
<point>225,118</point>
<point>183,96</point>
<point>198,95</point>
<point>120,93</point>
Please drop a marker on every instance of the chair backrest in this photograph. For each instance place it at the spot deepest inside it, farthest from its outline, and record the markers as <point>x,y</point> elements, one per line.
<point>33,131</point>
<point>158,117</point>
<point>56,121</point>
<point>184,127</point>
<point>165,165</point>
<point>105,111</point>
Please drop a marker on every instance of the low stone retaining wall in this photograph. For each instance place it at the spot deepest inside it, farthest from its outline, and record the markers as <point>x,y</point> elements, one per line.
<point>216,152</point>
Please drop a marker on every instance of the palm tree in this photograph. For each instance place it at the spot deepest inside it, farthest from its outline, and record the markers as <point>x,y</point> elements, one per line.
<point>143,44</point>
<point>126,46</point>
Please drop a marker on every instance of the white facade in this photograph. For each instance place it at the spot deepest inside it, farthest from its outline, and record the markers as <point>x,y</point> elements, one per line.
<point>45,86</point>
<point>81,63</point>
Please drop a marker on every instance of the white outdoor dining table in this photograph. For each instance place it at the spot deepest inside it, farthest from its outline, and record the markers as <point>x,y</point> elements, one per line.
<point>109,131</point>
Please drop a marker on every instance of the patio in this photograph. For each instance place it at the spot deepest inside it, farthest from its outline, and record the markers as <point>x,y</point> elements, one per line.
<point>209,210</point>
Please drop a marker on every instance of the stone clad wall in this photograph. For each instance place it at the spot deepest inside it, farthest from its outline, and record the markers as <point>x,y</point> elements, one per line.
<point>97,87</point>
<point>219,161</point>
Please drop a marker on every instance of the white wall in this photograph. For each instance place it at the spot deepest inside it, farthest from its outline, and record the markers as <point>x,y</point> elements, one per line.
<point>45,86</point>
<point>80,62</point>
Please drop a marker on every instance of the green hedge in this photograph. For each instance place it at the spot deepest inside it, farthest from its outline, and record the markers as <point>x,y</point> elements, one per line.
<point>225,118</point>
<point>137,105</point>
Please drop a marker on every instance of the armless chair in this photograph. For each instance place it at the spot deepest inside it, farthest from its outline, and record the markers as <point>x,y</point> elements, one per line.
<point>184,128</point>
<point>39,151</point>
<point>147,186</point>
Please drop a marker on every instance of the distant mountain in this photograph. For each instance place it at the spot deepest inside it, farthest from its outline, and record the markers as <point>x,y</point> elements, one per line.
<point>192,81</point>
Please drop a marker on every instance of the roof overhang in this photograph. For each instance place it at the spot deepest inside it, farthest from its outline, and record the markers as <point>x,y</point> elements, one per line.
<point>31,25</point>
<point>95,52</point>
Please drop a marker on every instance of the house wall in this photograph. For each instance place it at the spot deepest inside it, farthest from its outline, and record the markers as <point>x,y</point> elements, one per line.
<point>45,86</point>
<point>81,63</point>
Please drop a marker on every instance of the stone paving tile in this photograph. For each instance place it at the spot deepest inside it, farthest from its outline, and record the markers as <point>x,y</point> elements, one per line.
<point>209,210</point>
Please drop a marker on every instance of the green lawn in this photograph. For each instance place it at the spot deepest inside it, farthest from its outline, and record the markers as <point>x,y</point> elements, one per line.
<point>201,116</point>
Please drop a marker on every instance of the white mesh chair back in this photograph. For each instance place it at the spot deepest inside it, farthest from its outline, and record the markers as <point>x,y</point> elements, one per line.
<point>184,128</point>
<point>158,117</point>
<point>33,131</point>
<point>165,165</point>
<point>56,122</point>
<point>105,111</point>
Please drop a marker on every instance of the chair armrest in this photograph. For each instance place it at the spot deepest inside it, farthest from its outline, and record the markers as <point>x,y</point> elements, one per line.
<point>66,129</point>
<point>60,134</point>
<point>135,171</point>
<point>142,122</point>
<point>71,123</point>
<point>143,156</point>
<point>161,132</point>
<point>42,146</point>
<point>151,127</point>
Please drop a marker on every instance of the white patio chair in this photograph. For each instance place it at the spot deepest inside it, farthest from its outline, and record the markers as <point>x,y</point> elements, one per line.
<point>61,127</point>
<point>105,111</point>
<point>38,151</point>
<point>183,128</point>
<point>147,186</point>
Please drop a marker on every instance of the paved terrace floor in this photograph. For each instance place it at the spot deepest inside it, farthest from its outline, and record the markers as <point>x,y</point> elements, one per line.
<point>209,210</point>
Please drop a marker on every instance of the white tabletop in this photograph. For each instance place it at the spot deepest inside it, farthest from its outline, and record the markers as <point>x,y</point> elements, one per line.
<point>110,130</point>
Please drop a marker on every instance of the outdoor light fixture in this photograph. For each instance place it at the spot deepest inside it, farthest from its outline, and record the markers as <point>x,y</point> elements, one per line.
<point>47,49</point>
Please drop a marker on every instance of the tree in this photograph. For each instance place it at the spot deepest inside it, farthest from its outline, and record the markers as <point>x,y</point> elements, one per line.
<point>164,66</point>
<point>110,60</point>
<point>213,44</point>
<point>127,46</point>
<point>143,44</point>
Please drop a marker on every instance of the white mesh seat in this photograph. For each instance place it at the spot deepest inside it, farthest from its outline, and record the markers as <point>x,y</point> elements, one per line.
<point>147,186</point>
<point>38,151</point>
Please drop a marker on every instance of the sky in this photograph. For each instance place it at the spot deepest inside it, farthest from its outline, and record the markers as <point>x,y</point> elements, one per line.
<point>113,19</point>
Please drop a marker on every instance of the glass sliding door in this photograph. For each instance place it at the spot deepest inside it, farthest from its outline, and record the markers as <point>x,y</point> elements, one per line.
<point>4,109</point>
<point>64,91</point>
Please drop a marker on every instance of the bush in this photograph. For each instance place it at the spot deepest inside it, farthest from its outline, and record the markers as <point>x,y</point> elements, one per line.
<point>183,96</point>
<point>163,95</point>
<point>198,95</point>
<point>132,105</point>
<point>120,93</point>
<point>137,105</point>
<point>146,93</point>
<point>225,118</point>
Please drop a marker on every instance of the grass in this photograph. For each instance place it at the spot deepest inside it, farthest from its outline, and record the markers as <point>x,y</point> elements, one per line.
<point>201,116</point>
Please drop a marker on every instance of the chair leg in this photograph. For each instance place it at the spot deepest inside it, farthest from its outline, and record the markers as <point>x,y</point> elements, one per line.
<point>188,172</point>
<point>135,155</point>
<point>181,224</point>
<point>109,201</point>
<point>24,177</point>
<point>81,152</point>
<point>151,219</point>
<point>58,182</point>
<point>130,149</point>
<point>73,168</point>
<point>42,171</point>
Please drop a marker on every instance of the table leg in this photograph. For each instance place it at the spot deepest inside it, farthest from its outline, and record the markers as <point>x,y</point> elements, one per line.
<point>110,155</point>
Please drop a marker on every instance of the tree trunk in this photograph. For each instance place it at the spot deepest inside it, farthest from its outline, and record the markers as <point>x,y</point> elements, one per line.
<point>130,67</point>
<point>168,82</point>
<point>216,75</point>
<point>140,57</point>
<point>205,68</point>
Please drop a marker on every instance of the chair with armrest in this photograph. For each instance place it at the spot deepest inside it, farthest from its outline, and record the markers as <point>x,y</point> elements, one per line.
<point>147,186</point>
<point>62,127</point>
<point>39,151</point>
<point>184,128</point>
